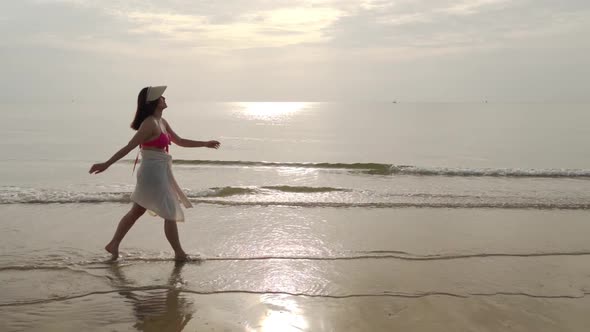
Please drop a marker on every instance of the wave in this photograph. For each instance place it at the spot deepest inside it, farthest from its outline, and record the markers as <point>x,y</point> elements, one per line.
<point>391,169</point>
<point>237,191</point>
<point>45,196</point>
<point>226,192</point>
<point>303,189</point>
<point>97,198</point>
<point>281,164</point>
<point>305,196</point>
<point>492,172</point>
<point>392,205</point>
<point>13,195</point>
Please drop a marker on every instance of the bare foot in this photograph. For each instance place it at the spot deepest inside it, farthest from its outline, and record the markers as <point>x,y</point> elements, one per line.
<point>182,257</point>
<point>113,250</point>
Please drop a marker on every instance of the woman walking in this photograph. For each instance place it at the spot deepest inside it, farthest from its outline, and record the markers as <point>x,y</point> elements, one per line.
<point>156,188</point>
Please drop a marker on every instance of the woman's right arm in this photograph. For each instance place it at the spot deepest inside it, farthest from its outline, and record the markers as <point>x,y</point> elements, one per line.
<point>144,132</point>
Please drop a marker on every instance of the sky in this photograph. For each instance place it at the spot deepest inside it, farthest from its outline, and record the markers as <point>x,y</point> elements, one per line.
<point>296,50</point>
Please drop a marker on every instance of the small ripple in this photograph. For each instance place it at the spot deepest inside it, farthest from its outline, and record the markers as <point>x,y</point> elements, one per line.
<point>272,292</point>
<point>369,254</point>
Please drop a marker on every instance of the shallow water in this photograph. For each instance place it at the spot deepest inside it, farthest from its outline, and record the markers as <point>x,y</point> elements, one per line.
<point>306,265</point>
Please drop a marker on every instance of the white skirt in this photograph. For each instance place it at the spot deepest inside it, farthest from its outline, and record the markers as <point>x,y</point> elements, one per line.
<point>156,188</point>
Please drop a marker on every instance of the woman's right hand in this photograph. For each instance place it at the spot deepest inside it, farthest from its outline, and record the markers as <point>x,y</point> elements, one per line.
<point>98,168</point>
<point>212,144</point>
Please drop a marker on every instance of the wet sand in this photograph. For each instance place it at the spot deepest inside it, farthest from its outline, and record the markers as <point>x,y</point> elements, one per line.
<point>169,310</point>
<point>285,268</point>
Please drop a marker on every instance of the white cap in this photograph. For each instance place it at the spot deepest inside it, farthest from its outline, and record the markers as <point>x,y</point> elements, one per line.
<point>154,92</point>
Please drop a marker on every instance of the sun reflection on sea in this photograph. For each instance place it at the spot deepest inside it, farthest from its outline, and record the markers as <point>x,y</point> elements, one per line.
<point>271,110</point>
<point>283,314</point>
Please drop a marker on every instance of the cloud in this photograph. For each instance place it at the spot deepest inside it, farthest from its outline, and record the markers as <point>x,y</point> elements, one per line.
<point>220,27</point>
<point>473,6</point>
<point>259,49</point>
<point>427,26</point>
<point>179,28</point>
<point>267,28</point>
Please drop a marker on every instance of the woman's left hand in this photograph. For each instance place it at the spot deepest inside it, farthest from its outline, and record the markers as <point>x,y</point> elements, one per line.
<point>98,168</point>
<point>213,144</point>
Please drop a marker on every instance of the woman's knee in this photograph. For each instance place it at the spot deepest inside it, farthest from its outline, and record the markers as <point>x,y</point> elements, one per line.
<point>137,210</point>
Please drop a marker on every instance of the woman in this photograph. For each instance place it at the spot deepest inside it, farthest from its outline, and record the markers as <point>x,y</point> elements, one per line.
<point>156,189</point>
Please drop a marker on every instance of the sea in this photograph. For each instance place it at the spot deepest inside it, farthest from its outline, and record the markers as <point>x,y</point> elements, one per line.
<point>342,155</point>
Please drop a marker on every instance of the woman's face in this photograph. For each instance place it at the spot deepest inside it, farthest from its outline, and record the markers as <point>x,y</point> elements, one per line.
<point>162,103</point>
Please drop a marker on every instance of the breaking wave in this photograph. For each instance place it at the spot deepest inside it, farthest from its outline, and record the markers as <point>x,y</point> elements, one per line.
<point>391,169</point>
<point>302,196</point>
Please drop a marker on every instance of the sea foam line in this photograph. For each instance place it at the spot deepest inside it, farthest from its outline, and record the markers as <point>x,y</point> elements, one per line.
<point>373,254</point>
<point>298,294</point>
<point>391,169</point>
<point>531,205</point>
<point>16,195</point>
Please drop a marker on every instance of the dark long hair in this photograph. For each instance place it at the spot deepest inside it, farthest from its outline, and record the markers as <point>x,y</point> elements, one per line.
<point>143,109</point>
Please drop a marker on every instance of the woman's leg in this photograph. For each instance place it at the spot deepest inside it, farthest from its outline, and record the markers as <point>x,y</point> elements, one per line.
<point>124,226</point>
<point>171,231</point>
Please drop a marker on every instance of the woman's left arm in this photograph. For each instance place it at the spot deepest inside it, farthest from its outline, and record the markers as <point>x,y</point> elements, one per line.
<point>187,143</point>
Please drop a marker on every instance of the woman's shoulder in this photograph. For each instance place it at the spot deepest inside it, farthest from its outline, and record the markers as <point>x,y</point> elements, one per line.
<point>152,119</point>
<point>166,124</point>
<point>149,123</point>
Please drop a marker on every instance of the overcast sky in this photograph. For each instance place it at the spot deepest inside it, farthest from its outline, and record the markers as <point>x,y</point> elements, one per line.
<point>296,50</point>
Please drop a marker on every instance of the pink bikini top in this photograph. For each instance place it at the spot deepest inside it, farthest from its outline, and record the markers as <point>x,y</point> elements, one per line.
<point>161,142</point>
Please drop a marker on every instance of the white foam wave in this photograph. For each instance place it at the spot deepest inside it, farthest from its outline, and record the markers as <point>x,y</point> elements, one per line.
<point>303,197</point>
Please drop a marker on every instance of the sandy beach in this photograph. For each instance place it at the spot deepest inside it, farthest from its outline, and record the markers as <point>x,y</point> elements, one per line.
<point>363,270</point>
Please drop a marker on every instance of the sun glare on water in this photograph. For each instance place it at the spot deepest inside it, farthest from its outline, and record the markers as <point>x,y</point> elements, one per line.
<point>271,110</point>
<point>283,315</point>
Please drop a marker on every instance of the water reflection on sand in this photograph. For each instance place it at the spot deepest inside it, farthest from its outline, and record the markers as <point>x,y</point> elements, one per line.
<point>162,308</point>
